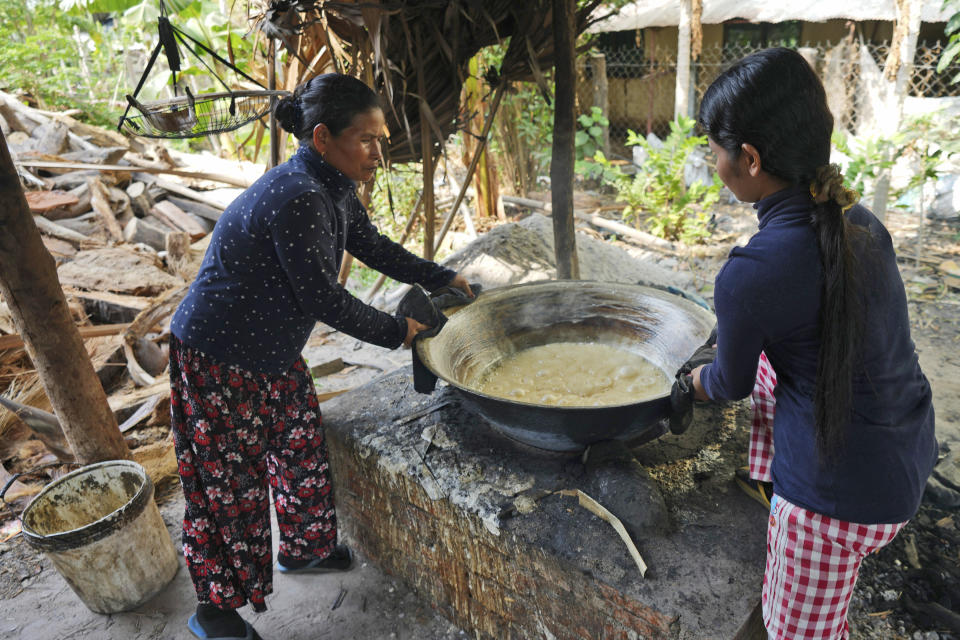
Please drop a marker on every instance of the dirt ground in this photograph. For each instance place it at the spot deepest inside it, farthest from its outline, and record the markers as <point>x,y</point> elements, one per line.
<point>366,603</point>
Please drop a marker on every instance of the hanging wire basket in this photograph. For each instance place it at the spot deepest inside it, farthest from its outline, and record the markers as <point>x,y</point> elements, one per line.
<point>192,116</point>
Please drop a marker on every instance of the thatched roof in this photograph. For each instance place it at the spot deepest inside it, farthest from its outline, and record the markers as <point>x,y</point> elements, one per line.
<point>389,43</point>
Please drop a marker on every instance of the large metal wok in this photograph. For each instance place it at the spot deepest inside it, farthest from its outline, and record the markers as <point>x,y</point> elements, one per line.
<point>662,327</point>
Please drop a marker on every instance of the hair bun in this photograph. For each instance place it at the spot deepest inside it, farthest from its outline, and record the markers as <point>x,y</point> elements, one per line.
<point>828,185</point>
<point>287,113</point>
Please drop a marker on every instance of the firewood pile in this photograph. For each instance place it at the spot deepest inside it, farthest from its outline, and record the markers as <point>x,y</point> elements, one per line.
<point>127,225</point>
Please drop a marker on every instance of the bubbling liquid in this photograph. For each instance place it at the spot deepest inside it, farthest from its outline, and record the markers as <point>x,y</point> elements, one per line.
<point>574,374</point>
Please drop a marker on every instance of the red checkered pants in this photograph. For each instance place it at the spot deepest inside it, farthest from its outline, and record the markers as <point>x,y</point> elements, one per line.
<point>812,559</point>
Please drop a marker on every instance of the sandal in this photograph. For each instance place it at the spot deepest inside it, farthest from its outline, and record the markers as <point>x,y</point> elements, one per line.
<point>759,490</point>
<point>340,559</point>
<point>194,625</point>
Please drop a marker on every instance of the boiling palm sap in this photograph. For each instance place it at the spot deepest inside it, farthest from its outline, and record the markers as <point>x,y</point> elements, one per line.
<point>575,374</point>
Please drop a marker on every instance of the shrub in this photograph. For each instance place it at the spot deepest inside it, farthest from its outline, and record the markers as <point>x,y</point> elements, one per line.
<point>657,194</point>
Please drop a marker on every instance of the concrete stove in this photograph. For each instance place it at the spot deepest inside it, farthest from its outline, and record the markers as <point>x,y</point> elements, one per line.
<point>470,520</point>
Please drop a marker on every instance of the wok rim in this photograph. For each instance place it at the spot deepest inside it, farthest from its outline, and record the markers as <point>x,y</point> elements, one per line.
<point>420,344</point>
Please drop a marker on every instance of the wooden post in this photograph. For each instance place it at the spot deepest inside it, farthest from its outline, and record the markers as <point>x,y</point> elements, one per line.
<point>30,287</point>
<point>598,66</point>
<point>426,154</point>
<point>564,125</point>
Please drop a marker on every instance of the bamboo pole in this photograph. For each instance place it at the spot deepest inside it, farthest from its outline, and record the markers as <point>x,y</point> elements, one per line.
<point>561,166</point>
<point>426,154</point>
<point>272,84</point>
<point>481,145</point>
<point>30,287</point>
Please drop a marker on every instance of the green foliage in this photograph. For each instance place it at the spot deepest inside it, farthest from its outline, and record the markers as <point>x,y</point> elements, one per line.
<point>953,44</point>
<point>46,58</point>
<point>657,193</point>
<point>869,157</point>
<point>589,138</point>
<point>590,161</point>
<point>394,196</point>
<point>61,56</point>
<point>928,142</point>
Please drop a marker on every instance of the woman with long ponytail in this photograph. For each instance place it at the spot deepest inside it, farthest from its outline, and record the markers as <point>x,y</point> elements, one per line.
<point>813,326</point>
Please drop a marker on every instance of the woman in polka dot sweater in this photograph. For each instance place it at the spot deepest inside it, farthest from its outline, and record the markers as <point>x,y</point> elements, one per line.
<point>244,411</point>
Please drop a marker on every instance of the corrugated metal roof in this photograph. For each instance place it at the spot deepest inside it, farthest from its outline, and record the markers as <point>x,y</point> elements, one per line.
<point>665,13</point>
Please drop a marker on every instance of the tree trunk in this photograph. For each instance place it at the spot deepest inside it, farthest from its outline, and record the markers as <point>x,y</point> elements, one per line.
<point>561,167</point>
<point>30,287</point>
<point>681,101</point>
<point>899,64</point>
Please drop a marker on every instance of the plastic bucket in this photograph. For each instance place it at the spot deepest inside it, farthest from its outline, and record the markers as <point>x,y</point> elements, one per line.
<point>102,530</point>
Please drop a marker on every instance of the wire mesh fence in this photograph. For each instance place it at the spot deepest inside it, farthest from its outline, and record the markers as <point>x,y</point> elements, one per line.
<point>642,83</point>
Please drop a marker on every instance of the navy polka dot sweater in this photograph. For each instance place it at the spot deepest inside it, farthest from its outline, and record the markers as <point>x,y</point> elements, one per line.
<point>271,269</point>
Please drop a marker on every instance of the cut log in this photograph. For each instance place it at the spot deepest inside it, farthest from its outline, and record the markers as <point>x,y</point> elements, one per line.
<point>100,201</point>
<point>187,192</point>
<point>158,310</point>
<point>140,198</point>
<point>104,307</point>
<point>639,237</point>
<point>76,178</point>
<point>14,121</point>
<point>327,368</point>
<point>106,156</point>
<point>122,204</point>
<point>112,168</point>
<point>21,142</point>
<point>124,404</point>
<point>178,253</point>
<point>31,179</point>
<point>28,113</point>
<point>178,219</point>
<point>42,202</point>
<point>147,166</point>
<point>51,137</point>
<point>89,224</point>
<point>61,250</point>
<point>197,208</point>
<point>119,270</point>
<point>15,341</point>
<point>59,231</point>
<point>80,207</point>
<point>99,136</point>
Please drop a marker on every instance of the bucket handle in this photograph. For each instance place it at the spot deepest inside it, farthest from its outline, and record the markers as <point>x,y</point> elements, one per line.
<point>35,470</point>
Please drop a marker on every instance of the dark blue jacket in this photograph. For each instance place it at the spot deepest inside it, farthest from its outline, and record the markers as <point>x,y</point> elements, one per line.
<point>767,298</point>
<point>270,272</point>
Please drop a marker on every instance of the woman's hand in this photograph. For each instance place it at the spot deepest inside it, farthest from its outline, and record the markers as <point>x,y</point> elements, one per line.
<point>461,283</point>
<point>698,391</point>
<point>413,328</point>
